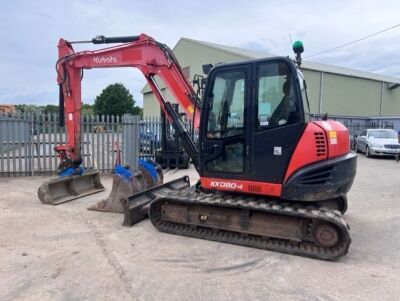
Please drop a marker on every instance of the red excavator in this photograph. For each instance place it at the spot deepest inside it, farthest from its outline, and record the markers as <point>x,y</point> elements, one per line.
<point>270,177</point>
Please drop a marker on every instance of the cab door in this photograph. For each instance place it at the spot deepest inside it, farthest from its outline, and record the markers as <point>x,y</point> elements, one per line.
<point>224,136</point>
<point>277,119</point>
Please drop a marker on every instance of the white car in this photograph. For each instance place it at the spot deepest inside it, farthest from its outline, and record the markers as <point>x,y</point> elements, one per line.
<point>378,142</point>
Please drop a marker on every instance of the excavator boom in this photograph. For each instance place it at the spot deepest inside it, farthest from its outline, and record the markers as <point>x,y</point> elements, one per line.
<point>141,52</point>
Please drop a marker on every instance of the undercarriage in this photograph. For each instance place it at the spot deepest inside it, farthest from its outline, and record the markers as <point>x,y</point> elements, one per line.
<point>304,229</point>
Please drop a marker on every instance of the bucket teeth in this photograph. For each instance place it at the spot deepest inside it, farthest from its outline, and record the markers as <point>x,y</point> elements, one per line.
<point>65,189</point>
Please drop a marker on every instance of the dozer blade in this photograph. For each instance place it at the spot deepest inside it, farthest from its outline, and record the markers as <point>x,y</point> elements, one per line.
<point>124,186</point>
<point>65,189</point>
<point>136,206</point>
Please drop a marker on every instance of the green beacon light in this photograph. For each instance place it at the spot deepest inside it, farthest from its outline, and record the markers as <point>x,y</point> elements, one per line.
<point>298,48</point>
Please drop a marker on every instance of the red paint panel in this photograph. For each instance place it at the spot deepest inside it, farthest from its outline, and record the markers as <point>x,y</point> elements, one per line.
<point>337,136</point>
<point>260,188</point>
<point>132,55</point>
<point>321,140</point>
<point>309,149</point>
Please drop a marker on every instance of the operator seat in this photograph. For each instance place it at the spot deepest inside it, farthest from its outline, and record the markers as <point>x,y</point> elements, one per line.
<point>287,111</point>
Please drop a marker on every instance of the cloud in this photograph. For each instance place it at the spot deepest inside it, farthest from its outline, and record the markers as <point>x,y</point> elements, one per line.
<point>30,31</point>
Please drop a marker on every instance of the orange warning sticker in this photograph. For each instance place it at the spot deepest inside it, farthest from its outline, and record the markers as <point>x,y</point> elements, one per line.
<point>332,135</point>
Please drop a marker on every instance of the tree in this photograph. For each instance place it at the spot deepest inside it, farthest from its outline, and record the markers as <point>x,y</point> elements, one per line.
<point>87,108</point>
<point>50,109</point>
<point>115,100</point>
<point>25,108</point>
<point>136,110</point>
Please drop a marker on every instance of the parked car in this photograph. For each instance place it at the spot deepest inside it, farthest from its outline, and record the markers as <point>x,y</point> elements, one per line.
<point>148,142</point>
<point>378,142</point>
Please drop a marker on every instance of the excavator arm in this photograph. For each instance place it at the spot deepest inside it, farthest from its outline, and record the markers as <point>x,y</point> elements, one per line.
<point>142,52</point>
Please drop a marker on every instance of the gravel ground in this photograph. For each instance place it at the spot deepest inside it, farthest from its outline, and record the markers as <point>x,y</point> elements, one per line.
<point>69,253</point>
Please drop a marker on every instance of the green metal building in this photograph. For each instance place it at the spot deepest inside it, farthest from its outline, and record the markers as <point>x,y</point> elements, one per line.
<point>331,89</point>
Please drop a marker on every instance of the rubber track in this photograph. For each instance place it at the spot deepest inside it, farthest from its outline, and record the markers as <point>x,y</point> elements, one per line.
<point>304,248</point>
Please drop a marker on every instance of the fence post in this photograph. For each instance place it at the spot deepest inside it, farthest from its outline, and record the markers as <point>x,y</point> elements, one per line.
<point>130,140</point>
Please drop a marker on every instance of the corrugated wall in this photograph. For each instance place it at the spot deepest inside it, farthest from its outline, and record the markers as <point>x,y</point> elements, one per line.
<point>344,95</point>
<point>350,96</point>
<point>196,55</point>
<point>150,105</point>
<point>390,101</point>
<point>313,89</point>
<point>151,108</point>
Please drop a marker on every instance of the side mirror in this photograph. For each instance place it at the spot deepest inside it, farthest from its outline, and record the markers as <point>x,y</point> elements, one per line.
<point>207,68</point>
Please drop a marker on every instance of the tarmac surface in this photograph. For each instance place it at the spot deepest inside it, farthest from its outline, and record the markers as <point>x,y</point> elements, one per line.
<point>69,253</point>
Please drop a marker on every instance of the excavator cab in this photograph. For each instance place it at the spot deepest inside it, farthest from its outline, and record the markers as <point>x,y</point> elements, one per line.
<point>253,115</point>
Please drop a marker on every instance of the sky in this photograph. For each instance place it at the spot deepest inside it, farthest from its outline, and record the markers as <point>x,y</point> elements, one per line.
<point>30,31</point>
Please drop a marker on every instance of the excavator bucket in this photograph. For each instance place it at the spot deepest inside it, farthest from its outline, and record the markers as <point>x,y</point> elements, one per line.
<point>68,188</point>
<point>127,183</point>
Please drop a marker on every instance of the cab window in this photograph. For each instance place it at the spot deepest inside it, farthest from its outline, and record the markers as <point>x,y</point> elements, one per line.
<point>226,113</point>
<point>277,105</point>
<point>226,121</point>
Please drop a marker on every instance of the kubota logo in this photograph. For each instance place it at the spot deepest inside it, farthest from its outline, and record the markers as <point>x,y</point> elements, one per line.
<point>229,185</point>
<point>105,59</point>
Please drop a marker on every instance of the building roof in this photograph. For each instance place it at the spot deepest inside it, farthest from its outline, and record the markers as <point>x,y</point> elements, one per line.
<point>252,54</point>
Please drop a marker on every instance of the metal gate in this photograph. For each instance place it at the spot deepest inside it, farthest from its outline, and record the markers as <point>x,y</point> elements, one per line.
<point>357,125</point>
<point>15,146</point>
<point>27,143</point>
